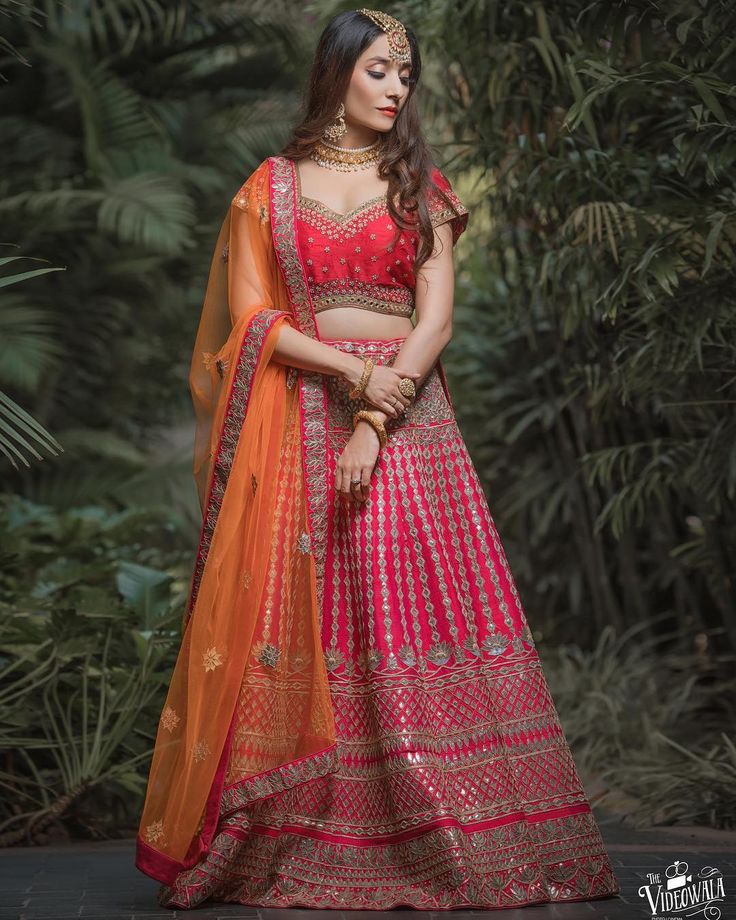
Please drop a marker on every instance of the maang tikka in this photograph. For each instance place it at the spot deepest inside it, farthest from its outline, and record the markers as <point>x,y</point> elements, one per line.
<point>399,49</point>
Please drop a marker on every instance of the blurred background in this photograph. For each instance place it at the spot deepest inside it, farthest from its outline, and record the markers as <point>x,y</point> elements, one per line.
<point>593,364</point>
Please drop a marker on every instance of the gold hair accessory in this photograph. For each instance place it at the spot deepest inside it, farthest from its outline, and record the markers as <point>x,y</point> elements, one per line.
<point>358,389</point>
<point>337,128</point>
<point>373,420</point>
<point>398,42</point>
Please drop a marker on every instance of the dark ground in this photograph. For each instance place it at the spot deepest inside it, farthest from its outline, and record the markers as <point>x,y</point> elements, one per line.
<point>99,880</point>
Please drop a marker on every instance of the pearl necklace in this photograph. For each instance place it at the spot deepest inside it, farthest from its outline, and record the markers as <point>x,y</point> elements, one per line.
<point>346,159</point>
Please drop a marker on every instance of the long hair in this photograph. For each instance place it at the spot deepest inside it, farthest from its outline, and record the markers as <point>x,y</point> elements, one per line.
<point>406,157</point>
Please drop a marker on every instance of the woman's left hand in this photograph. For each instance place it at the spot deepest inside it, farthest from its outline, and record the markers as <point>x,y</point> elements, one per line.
<point>357,461</point>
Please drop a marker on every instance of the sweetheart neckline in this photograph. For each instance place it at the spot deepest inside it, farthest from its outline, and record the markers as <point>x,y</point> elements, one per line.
<point>356,210</point>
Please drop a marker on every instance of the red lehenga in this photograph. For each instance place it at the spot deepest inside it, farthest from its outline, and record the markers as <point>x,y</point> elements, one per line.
<point>445,780</point>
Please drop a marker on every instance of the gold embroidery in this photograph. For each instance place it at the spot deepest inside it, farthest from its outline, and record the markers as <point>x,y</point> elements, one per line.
<point>363,302</point>
<point>200,751</point>
<point>208,359</point>
<point>247,579</point>
<point>235,412</point>
<point>303,543</point>
<point>212,659</point>
<point>155,832</point>
<point>169,719</point>
<point>267,654</point>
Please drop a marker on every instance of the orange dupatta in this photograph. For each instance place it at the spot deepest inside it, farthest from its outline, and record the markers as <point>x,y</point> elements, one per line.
<point>248,710</point>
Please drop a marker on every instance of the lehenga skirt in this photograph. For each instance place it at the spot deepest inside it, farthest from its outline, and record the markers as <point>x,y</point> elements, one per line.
<point>456,786</point>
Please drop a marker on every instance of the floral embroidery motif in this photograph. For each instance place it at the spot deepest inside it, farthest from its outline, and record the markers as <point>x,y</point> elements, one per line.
<point>247,579</point>
<point>291,377</point>
<point>369,659</point>
<point>212,659</point>
<point>169,719</point>
<point>268,654</point>
<point>303,543</point>
<point>155,832</point>
<point>200,751</point>
<point>333,657</point>
<point>496,645</point>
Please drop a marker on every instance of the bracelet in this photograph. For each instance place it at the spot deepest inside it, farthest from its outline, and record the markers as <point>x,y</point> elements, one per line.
<point>374,421</point>
<point>359,388</point>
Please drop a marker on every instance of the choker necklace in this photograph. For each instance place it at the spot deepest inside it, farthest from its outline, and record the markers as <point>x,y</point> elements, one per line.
<point>346,158</point>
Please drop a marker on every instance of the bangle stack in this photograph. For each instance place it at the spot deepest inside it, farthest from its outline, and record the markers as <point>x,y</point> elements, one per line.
<point>374,421</point>
<point>406,388</point>
<point>359,388</point>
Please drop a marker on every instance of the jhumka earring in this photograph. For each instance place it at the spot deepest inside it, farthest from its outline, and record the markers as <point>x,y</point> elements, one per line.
<point>337,128</point>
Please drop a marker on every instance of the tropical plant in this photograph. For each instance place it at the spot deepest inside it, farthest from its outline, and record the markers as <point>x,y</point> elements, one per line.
<point>123,142</point>
<point>23,350</point>
<point>90,609</point>
<point>595,334</point>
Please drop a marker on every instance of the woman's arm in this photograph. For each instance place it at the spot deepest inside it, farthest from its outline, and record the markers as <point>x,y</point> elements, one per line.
<point>299,350</point>
<point>434,301</point>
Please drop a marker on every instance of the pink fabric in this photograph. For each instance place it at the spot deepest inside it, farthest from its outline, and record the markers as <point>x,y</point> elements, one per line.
<point>455,785</point>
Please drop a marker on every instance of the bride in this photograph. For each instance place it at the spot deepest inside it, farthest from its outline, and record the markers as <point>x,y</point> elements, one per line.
<point>358,717</point>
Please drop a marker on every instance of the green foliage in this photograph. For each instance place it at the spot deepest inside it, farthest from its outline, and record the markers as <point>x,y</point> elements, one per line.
<point>652,730</point>
<point>595,333</point>
<point>91,603</point>
<point>128,127</point>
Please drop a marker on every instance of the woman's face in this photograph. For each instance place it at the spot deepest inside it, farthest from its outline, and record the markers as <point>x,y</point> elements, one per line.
<point>377,82</point>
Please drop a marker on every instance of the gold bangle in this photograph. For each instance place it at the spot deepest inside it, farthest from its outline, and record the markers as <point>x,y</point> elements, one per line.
<point>374,421</point>
<point>358,389</point>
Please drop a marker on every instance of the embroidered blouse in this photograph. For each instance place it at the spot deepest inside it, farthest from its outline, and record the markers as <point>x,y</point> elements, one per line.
<point>349,258</point>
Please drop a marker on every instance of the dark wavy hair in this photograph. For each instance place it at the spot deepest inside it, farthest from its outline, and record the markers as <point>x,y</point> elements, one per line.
<point>406,158</point>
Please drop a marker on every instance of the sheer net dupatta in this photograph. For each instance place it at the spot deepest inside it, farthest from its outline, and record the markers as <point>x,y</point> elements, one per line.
<point>248,711</point>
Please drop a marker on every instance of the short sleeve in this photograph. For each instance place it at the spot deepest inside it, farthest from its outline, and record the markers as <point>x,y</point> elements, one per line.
<point>440,211</point>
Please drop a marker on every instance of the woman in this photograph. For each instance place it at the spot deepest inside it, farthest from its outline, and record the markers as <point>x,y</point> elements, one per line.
<point>358,717</point>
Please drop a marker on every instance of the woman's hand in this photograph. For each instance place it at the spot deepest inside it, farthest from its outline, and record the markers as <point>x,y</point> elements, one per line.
<point>357,461</point>
<point>382,390</point>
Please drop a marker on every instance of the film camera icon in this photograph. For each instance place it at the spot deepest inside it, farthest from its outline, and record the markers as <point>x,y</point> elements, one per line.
<point>677,875</point>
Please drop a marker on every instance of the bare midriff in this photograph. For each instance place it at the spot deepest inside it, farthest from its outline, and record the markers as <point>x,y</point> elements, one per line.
<point>353,323</point>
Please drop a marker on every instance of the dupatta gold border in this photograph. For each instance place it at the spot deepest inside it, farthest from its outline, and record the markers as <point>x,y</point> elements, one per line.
<point>312,388</point>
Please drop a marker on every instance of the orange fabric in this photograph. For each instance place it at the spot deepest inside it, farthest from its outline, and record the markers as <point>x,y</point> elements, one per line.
<point>249,693</point>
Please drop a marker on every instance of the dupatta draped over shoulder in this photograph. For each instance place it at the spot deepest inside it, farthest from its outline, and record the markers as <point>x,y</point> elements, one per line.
<point>251,628</point>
